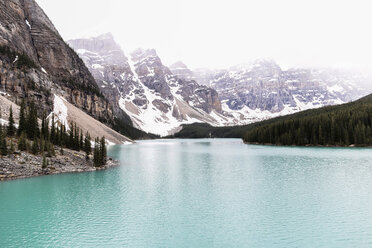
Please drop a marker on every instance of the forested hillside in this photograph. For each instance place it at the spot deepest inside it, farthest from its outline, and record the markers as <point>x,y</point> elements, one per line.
<point>342,125</point>
<point>203,130</point>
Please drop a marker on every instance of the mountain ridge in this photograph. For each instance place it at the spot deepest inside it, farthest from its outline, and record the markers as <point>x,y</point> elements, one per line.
<point>147,90</point>
<point>260,90</point>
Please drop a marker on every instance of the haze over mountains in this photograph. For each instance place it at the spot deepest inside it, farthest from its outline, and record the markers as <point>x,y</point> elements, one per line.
<point>159,99</point>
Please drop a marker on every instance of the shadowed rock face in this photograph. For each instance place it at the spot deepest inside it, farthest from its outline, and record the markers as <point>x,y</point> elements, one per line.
<point>25,29</point>
<point>152,73</point>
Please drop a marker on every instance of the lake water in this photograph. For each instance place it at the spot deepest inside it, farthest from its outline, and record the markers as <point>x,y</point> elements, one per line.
<point>198,193</point>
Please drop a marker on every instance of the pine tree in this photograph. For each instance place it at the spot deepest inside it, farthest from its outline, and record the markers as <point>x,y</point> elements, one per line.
<point>12,148</point>
<point>50,149</point>
<point>32,124</point>
<point>3,144</point>
<point>81,142</point>
<point>103,151</point>
<point>53,131</point>
<point>22,119</point>
<point>61,136</point>
<point>11,128</point>
<point>22,142</point>
<point>76,138</point>
<point>87,144</point>
<point>45,162</point>
<point>96,153</point>
<point>57,137</point>
<point>35,147</point>
<point>71,137</point>
<point>45,127</point>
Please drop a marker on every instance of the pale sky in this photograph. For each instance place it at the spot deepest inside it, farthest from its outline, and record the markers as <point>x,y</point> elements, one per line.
<point>216,34</point>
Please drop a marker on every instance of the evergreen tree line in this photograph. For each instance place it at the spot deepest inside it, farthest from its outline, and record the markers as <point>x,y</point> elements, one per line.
<point>100,152</point>
<point>342,125</point>
<point>36,140</point>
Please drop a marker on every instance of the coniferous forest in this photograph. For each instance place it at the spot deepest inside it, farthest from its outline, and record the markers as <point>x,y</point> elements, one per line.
<point>343,125</point>
<point>30,136</point>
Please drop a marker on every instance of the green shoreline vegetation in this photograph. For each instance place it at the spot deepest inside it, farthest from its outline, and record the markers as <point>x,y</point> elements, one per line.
<point>344,125</point>
<point>28,137</point>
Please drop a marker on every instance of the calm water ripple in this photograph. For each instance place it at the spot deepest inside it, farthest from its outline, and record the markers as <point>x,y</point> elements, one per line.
<point>198,193</point>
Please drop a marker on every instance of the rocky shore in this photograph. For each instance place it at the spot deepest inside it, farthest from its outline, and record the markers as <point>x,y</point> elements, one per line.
<point>25,165</point>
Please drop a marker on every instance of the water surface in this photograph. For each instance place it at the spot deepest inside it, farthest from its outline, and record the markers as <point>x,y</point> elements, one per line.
<point>198,193</point>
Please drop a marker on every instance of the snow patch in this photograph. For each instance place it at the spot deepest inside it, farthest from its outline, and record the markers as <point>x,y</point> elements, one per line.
<point>60,111</point>
<point>16,59</point>
<point>336,89</point>
<point>3,122</point>
<point>28,24</point>
<point>4,93</point>
<point>97,66</point>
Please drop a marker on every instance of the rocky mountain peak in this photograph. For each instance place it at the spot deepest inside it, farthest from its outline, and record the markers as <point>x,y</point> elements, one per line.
<point>140,54</point>
<point>178,65</point>
<point>101,45</point>
<point>181,70</point>
<point>106,36</point>
<point>156,100</point>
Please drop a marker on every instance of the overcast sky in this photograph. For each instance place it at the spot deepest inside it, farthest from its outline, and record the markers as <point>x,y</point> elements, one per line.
<point>213,33</point>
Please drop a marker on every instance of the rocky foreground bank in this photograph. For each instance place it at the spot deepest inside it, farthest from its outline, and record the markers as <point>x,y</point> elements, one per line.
<point>25,165</point>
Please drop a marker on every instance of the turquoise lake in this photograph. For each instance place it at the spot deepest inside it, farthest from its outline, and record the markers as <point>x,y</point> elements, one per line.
<point>198,193</point>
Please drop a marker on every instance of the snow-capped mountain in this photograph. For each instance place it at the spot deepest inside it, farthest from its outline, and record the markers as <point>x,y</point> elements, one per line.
<point>159,99</point>
<point>262,90</point>
<point>156,100</point>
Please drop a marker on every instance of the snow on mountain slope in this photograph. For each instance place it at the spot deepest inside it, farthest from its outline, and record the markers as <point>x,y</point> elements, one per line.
<point>156,100</point>
<point>159,99</point>
<point>66,113</point>
<point>262,90</point>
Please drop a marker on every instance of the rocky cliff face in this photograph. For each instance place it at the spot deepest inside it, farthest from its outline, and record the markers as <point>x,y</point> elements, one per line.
<point>156,100</point>
<point>35,61</point>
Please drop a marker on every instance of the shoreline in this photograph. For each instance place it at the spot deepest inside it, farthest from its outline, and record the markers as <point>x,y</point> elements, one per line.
<point>310,146</point>
<point>24,165</point>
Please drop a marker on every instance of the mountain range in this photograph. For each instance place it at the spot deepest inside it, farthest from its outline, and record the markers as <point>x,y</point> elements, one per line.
<point>262,90</point>
<point>140,84</point>
<point>159,99</point>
